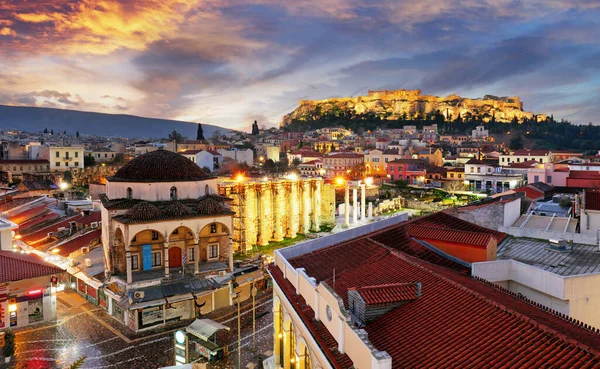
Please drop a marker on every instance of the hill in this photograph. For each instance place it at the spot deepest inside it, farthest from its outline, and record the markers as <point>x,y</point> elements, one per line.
<point>34,119</point>
<point>394,105</point>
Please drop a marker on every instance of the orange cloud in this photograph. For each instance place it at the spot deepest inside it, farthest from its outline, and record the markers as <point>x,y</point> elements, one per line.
<point>5,31</point>
<point>34,18</point>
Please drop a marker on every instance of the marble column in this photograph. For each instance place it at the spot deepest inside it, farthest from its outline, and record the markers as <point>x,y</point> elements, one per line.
<point>305,207</point>
<point>293,210</point>
<point>363,200</point>
<point>197,257</point>
<point>166,260</point>
<point>263,238</point>
<point>370,210</point>
<point>316,206</point>
<point>354,205</point>
<point>347,206</point>
<point>278,212</point>
<point>129,275</point>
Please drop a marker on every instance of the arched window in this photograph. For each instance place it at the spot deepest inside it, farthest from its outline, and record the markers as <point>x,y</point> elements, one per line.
<point>173,193</point>
<point>292,347</point>
<point>280,335</point>
<point>206,190</point>
<point>129,193</point>
<point>307,363</point>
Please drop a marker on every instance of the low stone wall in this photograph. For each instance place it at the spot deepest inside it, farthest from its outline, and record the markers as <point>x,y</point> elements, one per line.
<point>586,239</point>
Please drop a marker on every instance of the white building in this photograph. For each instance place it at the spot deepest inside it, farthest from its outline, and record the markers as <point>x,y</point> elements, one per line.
<point>479,133</point>
<point>241,155</point>
<point>62,158</point>
<point>523,155</point>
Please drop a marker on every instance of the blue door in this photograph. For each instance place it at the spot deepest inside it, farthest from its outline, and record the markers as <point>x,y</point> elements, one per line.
<point>147,257</point>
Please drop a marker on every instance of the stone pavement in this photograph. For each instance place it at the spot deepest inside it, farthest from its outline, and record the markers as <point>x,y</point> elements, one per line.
<point>83,329</point>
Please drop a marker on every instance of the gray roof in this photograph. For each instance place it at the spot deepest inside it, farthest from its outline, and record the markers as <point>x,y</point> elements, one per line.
<point>584,259</point>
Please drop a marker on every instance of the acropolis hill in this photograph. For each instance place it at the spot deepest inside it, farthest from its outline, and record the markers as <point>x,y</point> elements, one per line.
<point>402,104</point>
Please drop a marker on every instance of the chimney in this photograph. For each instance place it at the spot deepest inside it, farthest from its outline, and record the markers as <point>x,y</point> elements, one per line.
<point>367,304</point>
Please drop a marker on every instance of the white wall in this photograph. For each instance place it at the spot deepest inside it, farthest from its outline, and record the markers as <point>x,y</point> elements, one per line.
<point>160,191</point>
<point>242,156</point>
<point>512,212</point>
<point>590,222</point>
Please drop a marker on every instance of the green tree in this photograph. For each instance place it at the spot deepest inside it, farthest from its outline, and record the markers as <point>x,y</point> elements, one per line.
<point>46,130</point>
<point>516,143</point>
<point>67,176</point>
<point>200,133</point>
<point>89,161</point>
<point>77,364</point>
<point>9,343</point>
<point>77,134</point>
<point>175,136</point>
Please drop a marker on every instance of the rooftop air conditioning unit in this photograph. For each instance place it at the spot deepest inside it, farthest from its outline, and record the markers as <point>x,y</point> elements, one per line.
<point>60,229</point>
<point>138,295</point>
<point>72,263</point>
<point>85,250</point>
<point>88,262</point>
<point>94,225</point>
<point>222,273</point>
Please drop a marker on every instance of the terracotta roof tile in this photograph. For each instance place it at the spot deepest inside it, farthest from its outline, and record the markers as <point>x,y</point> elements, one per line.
<point>159,166</point>
<point>16,266</point>
<point>66,248</point>
<point>592,200</point>
<point>388,293</point>
<point>449,235</point>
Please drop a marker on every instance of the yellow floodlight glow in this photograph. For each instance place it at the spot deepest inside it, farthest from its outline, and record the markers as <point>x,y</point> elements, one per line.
<point>369,181</point>
<point>64,185</point>
<point>239,178</point>
<point>292,176</point>
<point>339,181</point>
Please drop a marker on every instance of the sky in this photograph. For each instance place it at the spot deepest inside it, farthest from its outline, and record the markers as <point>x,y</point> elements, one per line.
<point>232,62</point>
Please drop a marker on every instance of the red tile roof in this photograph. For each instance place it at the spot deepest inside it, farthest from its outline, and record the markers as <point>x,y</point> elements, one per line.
<point>31,223</point>
<point>28,214</point>
<point>388,293</point>
<point>449,235</point>
<point>73,245</point>
<point>16,266</point>
<point>592,200</point>
<point>584,174</point>
<point>526,152</point>
<point>456,320</point>
<point>344,155</point>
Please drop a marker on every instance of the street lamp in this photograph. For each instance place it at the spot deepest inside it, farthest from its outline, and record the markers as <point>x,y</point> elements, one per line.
<point>63,186</point>
<point>236,296</point>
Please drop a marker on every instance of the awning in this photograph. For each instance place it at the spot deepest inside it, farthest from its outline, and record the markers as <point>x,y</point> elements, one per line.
<point>248,277</point>
<point>204,328</point>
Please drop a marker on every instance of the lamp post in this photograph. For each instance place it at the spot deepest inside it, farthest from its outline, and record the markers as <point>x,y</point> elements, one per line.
<point>253,293</point>
<point>236,296</point>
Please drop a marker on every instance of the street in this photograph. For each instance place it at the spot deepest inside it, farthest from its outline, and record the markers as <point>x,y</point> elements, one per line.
<point>85,330</point>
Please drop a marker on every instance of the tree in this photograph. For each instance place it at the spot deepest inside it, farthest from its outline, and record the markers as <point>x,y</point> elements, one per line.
<point>516,143</point>
<point>332,148</point>
<point>77,364</point>
<point>9,343</point>
<point>51,132</point>
<point>206,169</point>
<point>200,133</point>
<point>269,165</point>
<point>89,161</point>
<point>175,136</point>
<point>77,134</point>
<point>255,130</point>
<point>46,130</point>
<point>65,132</point>
<point>67,177</point>
<point>300,144</point>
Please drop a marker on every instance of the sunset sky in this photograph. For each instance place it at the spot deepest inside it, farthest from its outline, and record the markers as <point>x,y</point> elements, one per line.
<point>230,62</point>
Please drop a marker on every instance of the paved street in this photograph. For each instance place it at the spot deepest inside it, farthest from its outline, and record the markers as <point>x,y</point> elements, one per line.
<point>83,329</point>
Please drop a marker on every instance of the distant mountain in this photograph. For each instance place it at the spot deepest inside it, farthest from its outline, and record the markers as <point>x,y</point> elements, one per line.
<point>34,119</point>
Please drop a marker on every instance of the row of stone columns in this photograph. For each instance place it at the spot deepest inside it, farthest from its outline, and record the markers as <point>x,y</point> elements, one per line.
<point>363,202</point>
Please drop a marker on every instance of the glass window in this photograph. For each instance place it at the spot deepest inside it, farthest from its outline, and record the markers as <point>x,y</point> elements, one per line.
<point>57,154</point>
<point>76,154</point>
<point>213,251</point>
<point>135,262</point>
<point>191,253</point>
<point>129,193</point>
<point>57,164</point>
<point>173,193</point>
<point>213,228</point>
<point>154,235</point>
<point>548,179</point>
<point>76,163</point>
<point>156,259</point>
<point>536,179</point>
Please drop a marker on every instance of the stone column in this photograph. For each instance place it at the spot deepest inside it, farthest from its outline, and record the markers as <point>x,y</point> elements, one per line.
<point>278,212</point>
<point>305,207</point>
<point>129,276</point>
<point>347,206</point>
<point>196,258</point>
<point>167,260</point>
<point>263,239</point>
<point>293,210</point>
<point>317,206</point>
<point>230,256</point>
<point>363,200</point>
<point>354,205</point>
<point>370,210</point>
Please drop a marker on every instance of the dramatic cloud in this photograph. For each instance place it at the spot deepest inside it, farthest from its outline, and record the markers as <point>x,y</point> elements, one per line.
<point>229,62</point>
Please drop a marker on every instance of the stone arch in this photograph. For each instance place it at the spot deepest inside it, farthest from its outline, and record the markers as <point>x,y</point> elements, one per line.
<point>173,193</point>
<point>117,253</point>
<point>129,193</point>
<point>304,354</point>
<point>146,250</point>
<point>213,241</point>
<point>184,238</point>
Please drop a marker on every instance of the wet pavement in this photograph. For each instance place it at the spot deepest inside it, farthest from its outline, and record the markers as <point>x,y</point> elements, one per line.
<point>83,329</point>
